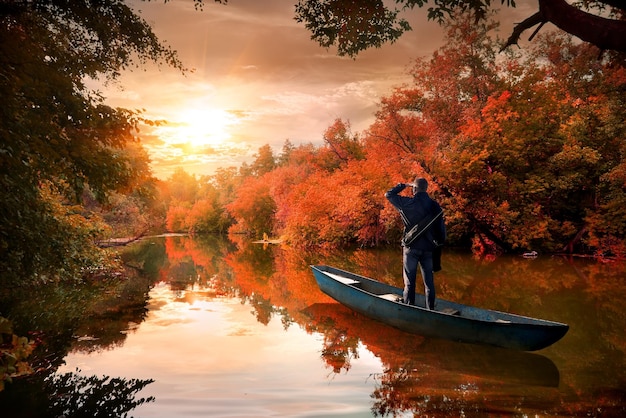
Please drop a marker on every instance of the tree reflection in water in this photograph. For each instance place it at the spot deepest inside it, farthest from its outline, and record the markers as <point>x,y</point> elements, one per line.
<point>429,377</point>
<point>441,378</point>
<point>88,318</point>
<point>419,376</point>
<point>73,395</point>
<point>339,349</point>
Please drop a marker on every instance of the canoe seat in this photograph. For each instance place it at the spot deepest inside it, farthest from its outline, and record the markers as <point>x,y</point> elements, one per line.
<point>450,311</point>
<point>342,279</point>
<point>392,297</point>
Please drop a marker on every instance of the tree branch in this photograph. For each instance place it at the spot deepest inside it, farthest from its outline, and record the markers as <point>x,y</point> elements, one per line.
<point>606,34</point>
<point>521,27</point>
<point>603,33</point>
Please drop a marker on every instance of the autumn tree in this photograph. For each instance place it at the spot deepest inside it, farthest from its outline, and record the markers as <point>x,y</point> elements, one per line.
<point>541,149</point>
<point>283,158</point>
<point>207,213</point>
<point>342,142</point>
<point>415,125</point>
<point>314,217</point>
<point>336,209</point>
<point>283,181</point>
<point>253,207</point>
<point>519,147</point>
<point>317,196</point>
<point>198,205</point>
<point>264,161</point>
<point>523,150</point>
<point>326,200</point>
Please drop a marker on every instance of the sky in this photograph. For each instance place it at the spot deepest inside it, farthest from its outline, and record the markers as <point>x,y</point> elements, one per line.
<point>257,78</point>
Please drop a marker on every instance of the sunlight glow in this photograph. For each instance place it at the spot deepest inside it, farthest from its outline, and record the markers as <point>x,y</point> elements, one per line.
<point>199,128</point>
<point>197,137</point>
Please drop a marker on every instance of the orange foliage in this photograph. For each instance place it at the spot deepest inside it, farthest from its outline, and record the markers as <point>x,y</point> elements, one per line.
<point>175,220</point>
<point>523,153</point>
<point>254,206</point>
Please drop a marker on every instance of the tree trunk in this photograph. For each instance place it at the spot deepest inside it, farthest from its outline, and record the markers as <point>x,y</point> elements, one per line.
<point>569,247</point>
<point>606,34</point>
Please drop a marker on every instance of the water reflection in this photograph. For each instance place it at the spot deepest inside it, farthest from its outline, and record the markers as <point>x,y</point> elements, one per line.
<point>432,377</point>
<point>87,318</point>
<point>233,328</point>
<point>209,356</point>
<point>459,378</point>
<point>75,395</point>
<point>401,351</point>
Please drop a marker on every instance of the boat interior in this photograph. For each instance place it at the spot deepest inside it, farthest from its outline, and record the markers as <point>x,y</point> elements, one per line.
<point>394,294</point>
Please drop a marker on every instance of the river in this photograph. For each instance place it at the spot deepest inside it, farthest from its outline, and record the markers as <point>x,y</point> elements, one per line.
<point>236,329</point>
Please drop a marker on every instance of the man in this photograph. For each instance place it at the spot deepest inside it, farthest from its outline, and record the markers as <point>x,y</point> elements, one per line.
<point>414,210</point>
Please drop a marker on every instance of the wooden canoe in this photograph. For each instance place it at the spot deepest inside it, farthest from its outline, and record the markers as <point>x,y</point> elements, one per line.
<point>452,321</point>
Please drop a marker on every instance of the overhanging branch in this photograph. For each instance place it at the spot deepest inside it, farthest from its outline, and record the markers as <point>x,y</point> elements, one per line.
<point>606,34</point>
<point>521,27</point>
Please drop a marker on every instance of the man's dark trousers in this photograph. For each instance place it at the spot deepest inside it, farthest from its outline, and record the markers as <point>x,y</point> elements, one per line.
<point>412,259</point>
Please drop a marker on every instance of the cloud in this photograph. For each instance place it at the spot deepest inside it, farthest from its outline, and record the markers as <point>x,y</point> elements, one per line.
<point>253,61</point>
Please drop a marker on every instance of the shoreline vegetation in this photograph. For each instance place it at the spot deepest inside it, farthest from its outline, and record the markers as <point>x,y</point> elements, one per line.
<point>125,241</point>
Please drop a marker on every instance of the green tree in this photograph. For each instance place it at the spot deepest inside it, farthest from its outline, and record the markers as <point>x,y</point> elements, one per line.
<point>355,26</point>
<point>55,132</point>
<point>226,181</point>
<point>183,187</point>
<point>264,161</point>
<point>283,158</point>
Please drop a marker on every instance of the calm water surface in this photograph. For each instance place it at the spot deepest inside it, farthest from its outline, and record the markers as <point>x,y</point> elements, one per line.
<point>243,331</point>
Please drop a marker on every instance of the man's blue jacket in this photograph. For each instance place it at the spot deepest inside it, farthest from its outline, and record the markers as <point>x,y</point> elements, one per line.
<point>415,209</point>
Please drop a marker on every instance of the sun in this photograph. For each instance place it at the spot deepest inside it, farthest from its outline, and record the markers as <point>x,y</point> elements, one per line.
<point>202,127</point>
